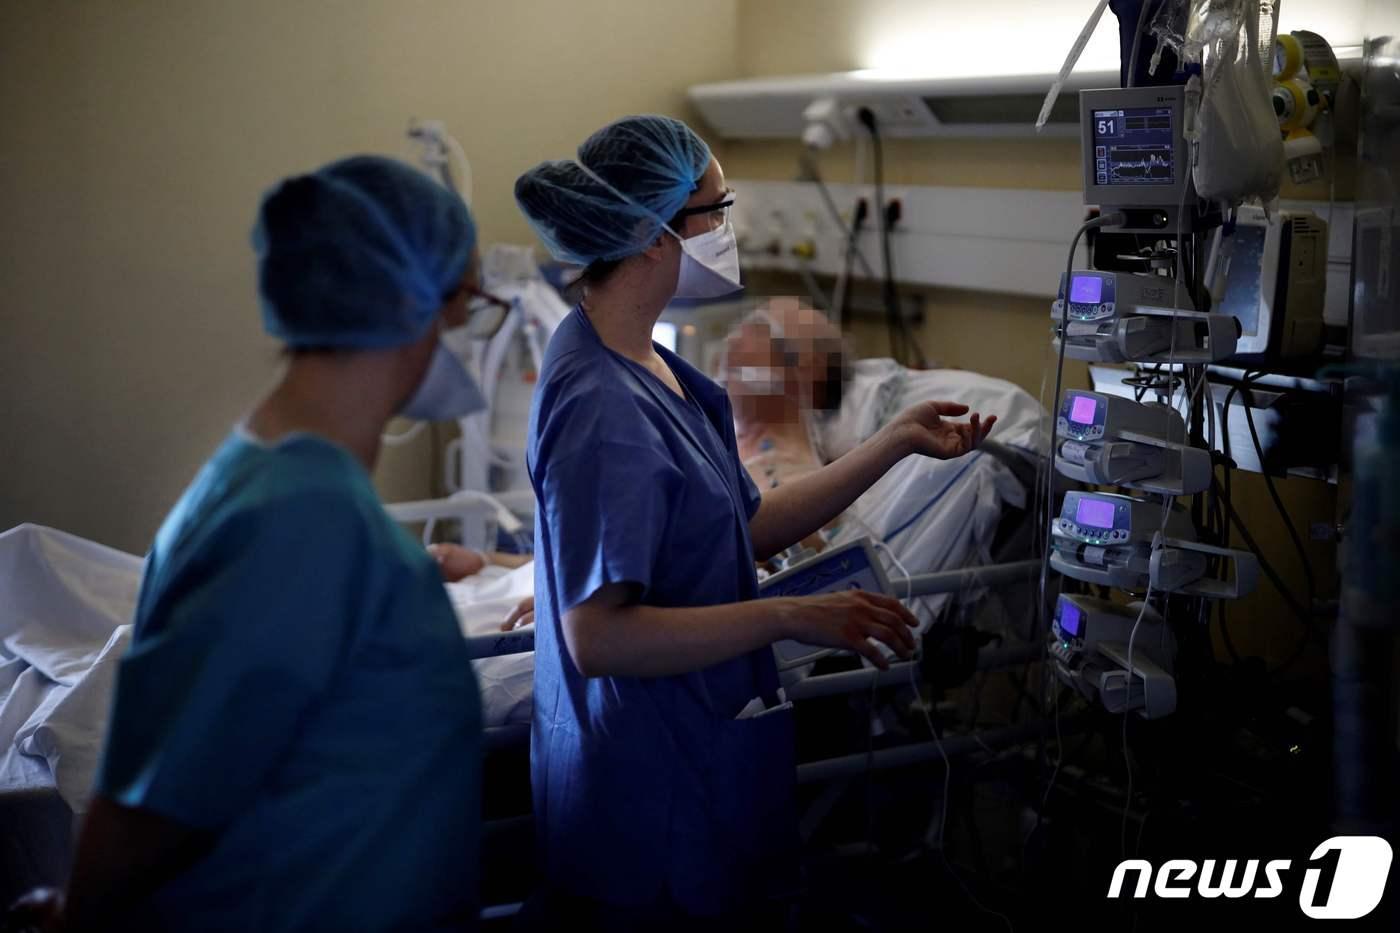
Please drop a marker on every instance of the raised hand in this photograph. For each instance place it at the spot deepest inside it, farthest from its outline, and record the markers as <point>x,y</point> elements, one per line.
<point>925,429</point>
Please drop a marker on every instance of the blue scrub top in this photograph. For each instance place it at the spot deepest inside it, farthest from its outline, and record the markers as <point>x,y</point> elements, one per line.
<point>648,790</point>
<point>298,687</point>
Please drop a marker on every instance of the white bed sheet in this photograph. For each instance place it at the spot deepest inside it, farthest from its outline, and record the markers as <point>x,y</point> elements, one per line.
<point>65,603</point>
<point>65,610</point>
<point>881,388</point>
<point>482,603</point>
<point>64,607</point>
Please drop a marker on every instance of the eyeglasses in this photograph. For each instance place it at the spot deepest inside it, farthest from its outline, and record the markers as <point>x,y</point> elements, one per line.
<point>720,209</point>
<point>485,313</point>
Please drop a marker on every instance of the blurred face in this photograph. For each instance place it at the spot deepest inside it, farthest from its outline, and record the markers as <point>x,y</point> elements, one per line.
<point>817,358</point>
<point>760,383</point>
<point>772,378</point>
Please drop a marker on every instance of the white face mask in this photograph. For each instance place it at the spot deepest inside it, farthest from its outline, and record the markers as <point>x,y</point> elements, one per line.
<point>447,392</point>
<point>765,381</point>
<point>709,264</point>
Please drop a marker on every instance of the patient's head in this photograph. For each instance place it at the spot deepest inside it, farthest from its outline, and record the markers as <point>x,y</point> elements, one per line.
<point>782,360</point>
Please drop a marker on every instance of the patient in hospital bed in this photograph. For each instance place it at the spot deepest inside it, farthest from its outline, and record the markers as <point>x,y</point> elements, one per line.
<point>799,401</point>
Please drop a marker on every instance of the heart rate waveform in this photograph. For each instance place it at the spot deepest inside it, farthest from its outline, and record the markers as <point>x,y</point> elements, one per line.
<point>1140,165</point>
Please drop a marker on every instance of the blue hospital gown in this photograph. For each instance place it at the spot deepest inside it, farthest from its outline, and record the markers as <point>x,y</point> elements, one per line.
<point>648,790</point>
<point>298,687</point>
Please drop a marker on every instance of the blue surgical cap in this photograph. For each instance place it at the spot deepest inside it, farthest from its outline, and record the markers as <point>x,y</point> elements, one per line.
<point>649,167</point>
<point>360,253</point>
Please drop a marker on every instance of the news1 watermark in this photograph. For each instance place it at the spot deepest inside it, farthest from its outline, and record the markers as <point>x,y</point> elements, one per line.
<point>1343,879</point>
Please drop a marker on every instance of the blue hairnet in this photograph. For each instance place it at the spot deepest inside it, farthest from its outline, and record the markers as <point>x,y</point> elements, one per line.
<point>654,163</point>
<point>360,253</point>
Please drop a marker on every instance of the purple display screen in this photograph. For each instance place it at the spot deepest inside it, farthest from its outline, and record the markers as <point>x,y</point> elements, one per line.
<point>1086,289</point>
<point>1094,513</point>
<point>1070,619</point>
<point>1081,410</point>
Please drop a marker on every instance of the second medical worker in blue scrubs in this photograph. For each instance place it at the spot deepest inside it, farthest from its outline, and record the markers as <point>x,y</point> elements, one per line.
<point>295,739</point>
<point>662,758</point>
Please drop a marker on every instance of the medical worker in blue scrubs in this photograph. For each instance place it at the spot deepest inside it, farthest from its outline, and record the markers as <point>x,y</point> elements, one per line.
<point>296,733</point>
<point>662,756</point>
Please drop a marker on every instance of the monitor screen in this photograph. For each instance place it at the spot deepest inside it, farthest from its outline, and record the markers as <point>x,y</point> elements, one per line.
<point>1134,146</point>
<point>1086,289</point>
<point>1071,619</point>
<point>1244,279</point>
<point>1095,513</point>
<point>1082,408</point>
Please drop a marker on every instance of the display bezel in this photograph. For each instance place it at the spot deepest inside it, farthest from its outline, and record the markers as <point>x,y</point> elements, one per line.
<point>1110,196</point>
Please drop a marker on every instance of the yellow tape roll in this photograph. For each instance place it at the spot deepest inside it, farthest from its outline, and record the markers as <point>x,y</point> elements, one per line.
<point>1288,56</point>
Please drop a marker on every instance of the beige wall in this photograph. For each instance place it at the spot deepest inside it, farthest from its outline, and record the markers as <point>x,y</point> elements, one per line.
<point>1001,335</point>
<point>136,140</point>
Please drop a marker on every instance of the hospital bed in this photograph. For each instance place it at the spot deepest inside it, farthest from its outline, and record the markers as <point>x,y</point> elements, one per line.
<point>91,592</point>
<point>933,515</point>
<point>45,778</point>
<point>955,515</point>
<point>509,824</point>
<point>65,608</point>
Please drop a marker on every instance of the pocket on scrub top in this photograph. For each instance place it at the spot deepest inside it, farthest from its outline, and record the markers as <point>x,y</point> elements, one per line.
<point>754,780</point>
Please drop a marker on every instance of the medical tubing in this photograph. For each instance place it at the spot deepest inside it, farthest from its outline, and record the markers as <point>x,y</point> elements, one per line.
<point>1116,217</point>
<point>867,119</point>
<point>947,789</point>
<point>1054,774</point>
<point>851,248</point>
<point>849,252</point>
<point>809,164</point>
<point>1303,616</point>
<point>1167,503</point>
<point>928,720</point>
<point>1127,710</point>
<point>1043,497</point>
<point>909,353</point>
<point>1268,568</point>
<point>1309,621</point>
<point>857,222</point>
<point>888,294</point>
<point>1223,493</point>
<point>843,283</point>
<point>1068,67</point>
<point>1137,43</point>
<point>1278,500</point>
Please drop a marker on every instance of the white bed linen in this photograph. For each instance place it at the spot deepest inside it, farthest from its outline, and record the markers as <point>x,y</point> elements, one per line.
<point>881,388</point>
<point>483,602</point>
<point>64,607</point>
<point>65,610</point>
<point>65,603</point>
